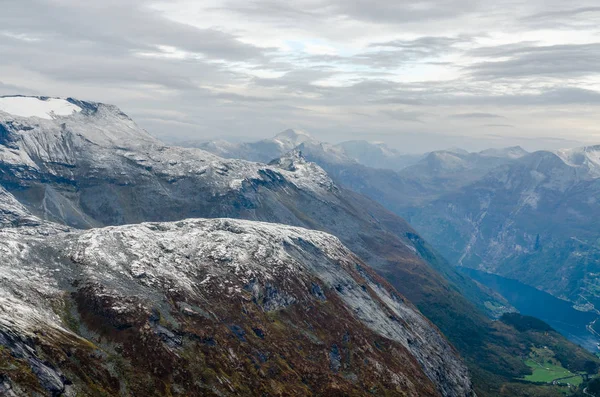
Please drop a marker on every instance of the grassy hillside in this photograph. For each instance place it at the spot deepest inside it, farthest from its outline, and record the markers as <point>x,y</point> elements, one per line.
<point>522,355</point>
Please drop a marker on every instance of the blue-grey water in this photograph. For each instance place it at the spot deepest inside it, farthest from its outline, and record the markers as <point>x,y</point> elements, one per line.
<point>559,314</point>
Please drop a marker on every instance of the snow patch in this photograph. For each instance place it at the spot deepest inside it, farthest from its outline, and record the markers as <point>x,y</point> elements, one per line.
<point>44,108</point>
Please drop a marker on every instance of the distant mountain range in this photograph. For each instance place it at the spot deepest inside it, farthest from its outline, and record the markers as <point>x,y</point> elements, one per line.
<point>375,155</point>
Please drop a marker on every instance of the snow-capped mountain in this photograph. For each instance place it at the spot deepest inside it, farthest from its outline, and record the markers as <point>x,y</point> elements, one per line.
<point>585,160</point>
<point>396,180</point>
<point>230,297</point>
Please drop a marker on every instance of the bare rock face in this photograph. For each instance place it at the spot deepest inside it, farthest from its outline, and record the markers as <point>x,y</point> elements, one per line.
<point>202,307</point>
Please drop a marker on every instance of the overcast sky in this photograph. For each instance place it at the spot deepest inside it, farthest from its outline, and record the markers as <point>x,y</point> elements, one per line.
<point>418,75</point>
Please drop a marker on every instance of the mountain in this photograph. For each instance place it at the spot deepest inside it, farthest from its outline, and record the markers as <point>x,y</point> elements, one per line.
<point>446,170</point>
<point>243,307</point>
<point>513,152</point>
<point>378,155</point>
<point>12,213</point>
<point>94,168</point>
<point>262,151</point>
<point>532,220</point>
<point>585,160</point>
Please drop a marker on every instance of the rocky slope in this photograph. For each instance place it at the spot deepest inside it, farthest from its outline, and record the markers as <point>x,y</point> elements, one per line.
<point>208,307</point>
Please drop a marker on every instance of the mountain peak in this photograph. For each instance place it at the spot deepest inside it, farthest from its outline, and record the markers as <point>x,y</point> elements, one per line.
<point>291,138</point>
<point>292,133</point>
<point>290,161</point>
<point>303,172</point>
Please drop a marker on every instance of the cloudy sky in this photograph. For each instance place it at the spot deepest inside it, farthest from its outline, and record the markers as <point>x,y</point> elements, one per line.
<point>419,75</point>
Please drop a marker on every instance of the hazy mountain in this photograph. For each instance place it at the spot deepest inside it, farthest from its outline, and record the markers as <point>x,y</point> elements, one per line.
<point>397,181</point>
<point>262,151</point>
<point>513,152</point>
<point>375,155</point>
<point>532,220</point>
<point>446,170</point>
<point>378,155</point>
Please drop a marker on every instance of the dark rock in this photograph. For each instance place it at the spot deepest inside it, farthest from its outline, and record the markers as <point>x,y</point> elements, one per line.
<point>335,358</point>
<point>318,292</point>
<point>259,332</point>
<point>239,332</point>
<point>49,378</point>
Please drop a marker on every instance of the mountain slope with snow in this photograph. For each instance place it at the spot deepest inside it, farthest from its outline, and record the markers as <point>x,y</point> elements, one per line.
<point>375,155</point>
<point>166,298</point>
<point>586,160</point>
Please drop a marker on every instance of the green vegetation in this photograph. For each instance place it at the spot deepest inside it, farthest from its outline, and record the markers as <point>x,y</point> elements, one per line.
<point>514,353</point>
<point>525,323</point>
<point>548,371</point>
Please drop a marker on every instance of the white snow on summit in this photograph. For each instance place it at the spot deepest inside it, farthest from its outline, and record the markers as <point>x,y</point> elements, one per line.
<point>584,158</point>
<point>44,108</point>
<point>291,138</point>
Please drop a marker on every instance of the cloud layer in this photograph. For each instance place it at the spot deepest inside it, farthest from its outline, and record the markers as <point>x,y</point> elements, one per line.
<point>419,75</point>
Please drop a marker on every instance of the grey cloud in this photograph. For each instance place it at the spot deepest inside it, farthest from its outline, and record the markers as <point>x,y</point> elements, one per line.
<point>499,125</point>
<point>558,60</point>
<point>11,89</point>
<point>297,81</point>
<point>574,18</point>
<point>476,115</point>
<point>547,97</point>
<point>241,98</point>
<point>563,13</point>
<point>132,26</point>
<point>421,48</point>
<point>96,49</point>
<point>397,101</point>
<point>388,11</point>
<point>391,54</point>
<point>404,11</point>
<point>502,50</point>
<point>404,115</point>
